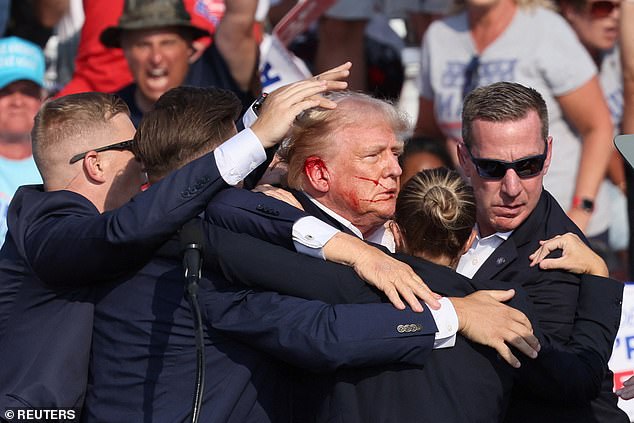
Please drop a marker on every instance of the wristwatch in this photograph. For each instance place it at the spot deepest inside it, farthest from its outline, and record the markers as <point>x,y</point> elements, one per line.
<point>257,104</point>
<point>583,203</point>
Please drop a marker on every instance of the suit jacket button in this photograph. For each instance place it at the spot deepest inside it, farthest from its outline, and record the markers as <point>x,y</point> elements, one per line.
<point>259,207</point>
<point>400,328</point>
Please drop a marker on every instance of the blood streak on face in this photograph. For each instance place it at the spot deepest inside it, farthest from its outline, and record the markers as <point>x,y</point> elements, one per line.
<point>375,181</point>
<point>364,174</point>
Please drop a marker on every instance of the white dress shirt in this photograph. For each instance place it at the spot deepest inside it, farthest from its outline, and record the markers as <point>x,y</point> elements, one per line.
<point>479,252</point>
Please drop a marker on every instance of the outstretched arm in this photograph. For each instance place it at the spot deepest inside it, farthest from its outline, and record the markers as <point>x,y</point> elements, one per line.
<point>60,236</point>
<point>317,336</point>
<point>235,40</point>
<point>594,126</point>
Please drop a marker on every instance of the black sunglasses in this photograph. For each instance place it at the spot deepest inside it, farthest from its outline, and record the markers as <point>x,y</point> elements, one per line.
<point>123,145</point>
<point>496,169</point>
<point>603,9</point>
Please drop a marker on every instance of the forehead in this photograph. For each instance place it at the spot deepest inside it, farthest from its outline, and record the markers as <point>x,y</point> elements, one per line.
<point>366,137</point>
<point>121,127</point>
<point>508,140</point>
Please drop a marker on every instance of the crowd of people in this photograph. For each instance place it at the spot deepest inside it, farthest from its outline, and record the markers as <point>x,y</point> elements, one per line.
<point>341,264</point>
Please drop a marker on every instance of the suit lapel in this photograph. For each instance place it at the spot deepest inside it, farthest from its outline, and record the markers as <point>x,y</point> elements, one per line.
<point>501,258</point>
<point>508,252</point>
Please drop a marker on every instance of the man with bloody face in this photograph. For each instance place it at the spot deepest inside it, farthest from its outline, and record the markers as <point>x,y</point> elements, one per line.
<point>346,163</point>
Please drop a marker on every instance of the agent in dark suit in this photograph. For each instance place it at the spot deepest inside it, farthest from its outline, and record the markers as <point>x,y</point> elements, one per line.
<point>149,375</point>
<point>506,152</point>
<point>589,367</point>
<point>464,374</point>
<point>67,236</point>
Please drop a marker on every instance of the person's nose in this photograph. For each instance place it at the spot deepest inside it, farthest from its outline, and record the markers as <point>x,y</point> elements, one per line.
<point>393,168</point>
<point>511,184</point>
<point>17,98</point>
<point>156,55</point>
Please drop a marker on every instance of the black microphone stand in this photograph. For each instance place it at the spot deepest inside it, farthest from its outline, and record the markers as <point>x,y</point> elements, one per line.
<point>192,262</point>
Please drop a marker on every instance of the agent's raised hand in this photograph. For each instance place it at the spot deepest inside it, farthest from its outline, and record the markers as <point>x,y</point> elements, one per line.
<point>280,108</point>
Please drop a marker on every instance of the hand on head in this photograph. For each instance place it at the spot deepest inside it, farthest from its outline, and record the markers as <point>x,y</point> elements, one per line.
<point>283,105</point>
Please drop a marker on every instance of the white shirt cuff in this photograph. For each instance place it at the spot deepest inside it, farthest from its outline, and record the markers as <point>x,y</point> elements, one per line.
<point>239,156</point>
<point>249,117</point>
<point>447,323</point>
<point>310,235</point>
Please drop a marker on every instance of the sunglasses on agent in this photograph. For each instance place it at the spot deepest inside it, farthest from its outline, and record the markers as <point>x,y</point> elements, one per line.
<point>122,145</point>
<point>496,169</point>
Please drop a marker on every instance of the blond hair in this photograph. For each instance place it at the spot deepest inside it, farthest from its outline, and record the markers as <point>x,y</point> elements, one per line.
<point>435,213</point>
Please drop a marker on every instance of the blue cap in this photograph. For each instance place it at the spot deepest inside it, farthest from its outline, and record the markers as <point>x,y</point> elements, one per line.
<point>20,60</point>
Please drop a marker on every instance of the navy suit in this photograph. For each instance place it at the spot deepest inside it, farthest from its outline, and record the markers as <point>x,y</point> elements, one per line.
<point>555,298</point>
<point>468,375</point>
<point>58,247</point>
<point>144,355</point>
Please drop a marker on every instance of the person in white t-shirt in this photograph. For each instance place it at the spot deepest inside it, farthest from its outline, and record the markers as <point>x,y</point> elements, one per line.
<point>524,42</point>
<point>596,23</point>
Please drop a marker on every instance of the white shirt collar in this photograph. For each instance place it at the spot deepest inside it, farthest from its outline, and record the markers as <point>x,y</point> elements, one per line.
<point>381,236</point>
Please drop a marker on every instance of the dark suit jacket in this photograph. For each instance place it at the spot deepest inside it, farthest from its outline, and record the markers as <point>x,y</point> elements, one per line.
<point>58,247</point>
<point>144,353</point>
<point>467,375</point>
<point>555,295</point>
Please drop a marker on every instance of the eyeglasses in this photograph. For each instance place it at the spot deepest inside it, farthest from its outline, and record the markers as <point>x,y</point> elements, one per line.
<point>602,9</point>
<point>123,145</point>
<point>496,169</point>
<point>471,76</point>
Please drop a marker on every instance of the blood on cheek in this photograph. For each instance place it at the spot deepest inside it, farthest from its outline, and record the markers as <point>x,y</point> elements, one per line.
<point>376,183</point>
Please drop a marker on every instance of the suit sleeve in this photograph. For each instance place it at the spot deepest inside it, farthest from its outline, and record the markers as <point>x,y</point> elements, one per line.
<point>243,259</point>
<point>317,336</point>
<point>78,246</point>
<point>573,373</point>
<point>255,214</point>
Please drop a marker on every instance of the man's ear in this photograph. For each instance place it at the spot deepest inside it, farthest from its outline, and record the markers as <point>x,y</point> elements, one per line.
<point>549,142</point>
<point>93,167</point>
<point>196,49</point>
<point>463,159</point>
<point>317,174</point>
